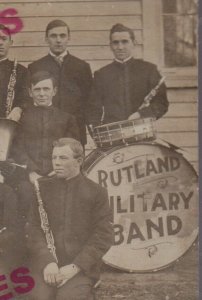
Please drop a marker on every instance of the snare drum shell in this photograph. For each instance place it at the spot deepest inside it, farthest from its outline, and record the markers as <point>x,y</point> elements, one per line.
<point>153,191</point>
<point>124,132</point>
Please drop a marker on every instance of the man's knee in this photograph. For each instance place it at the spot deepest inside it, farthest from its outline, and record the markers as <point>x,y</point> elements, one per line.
<point>79,287</point>
<point>41,290</point>
<point>42,294</point>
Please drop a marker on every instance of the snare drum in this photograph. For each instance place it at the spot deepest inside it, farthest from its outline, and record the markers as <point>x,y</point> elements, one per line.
<point>124,132</point>
<point>153,193</point>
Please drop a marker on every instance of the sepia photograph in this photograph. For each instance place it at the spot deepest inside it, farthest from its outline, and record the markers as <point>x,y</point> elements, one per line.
<point>99,155</point>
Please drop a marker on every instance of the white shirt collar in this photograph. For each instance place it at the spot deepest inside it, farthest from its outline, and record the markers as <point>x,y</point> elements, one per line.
<point>35,104</point>
<point>123,61</point>
<point>63,54</point>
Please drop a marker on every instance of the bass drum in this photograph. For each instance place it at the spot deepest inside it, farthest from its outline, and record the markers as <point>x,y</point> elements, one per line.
<point>153,192</point>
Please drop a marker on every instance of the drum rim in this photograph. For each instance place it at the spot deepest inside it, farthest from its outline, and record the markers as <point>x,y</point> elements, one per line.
<point>114,148</point>
<point>141,121</point>
<point>160,268</point>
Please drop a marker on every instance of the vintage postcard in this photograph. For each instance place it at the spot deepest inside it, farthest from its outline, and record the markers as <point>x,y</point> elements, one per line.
<point>99,96</point>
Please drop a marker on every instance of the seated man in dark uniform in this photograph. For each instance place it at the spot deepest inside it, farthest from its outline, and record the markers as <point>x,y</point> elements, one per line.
<point>120,88</point>
<point>79,221</point>
<point>41,123</point>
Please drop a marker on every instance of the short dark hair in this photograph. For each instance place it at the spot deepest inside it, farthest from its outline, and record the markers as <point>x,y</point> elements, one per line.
<point>6,30</point>
<point>121,28</point>
<point>41,75</point>
<point>56,23</point>
<point>74,145</point>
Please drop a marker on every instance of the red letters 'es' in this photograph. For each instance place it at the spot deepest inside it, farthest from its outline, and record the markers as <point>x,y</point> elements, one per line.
<point>7,18</point>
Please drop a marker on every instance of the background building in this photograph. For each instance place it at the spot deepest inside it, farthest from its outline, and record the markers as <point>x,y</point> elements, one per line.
<point>166,34</point>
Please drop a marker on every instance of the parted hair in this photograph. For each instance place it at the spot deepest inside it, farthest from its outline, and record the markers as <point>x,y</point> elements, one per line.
<point>121,28</point>
<point>41,75</point>
<point>74,145</point>
<point>5,29</point>
<point>56,23</point>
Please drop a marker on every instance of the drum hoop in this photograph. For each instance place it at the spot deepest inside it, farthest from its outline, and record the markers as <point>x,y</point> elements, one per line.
<point>110,150</point>
<point>139,121</point>
<point>114,130</point>
<point>157,269</point>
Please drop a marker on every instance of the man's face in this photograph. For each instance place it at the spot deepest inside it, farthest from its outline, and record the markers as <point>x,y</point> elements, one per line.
<point>42,92</point>
<point>57,39</point>
<point>64,163</point>
<point>121,45</point>
<point>5,43</point>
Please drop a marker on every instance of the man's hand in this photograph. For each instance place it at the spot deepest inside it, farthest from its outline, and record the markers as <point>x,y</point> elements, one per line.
<point>15,114</point>
<point>134,116</point>
<point>66,273</point>
<point>50,274</point>
<point>33,176</point>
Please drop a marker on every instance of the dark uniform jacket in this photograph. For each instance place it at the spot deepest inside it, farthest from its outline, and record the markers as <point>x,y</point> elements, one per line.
<point>39,128</point>
<point>9,248</point>
<point>80,219</point>
<point>21,94</point>
<point>121,89</point>
<point>74,83</point>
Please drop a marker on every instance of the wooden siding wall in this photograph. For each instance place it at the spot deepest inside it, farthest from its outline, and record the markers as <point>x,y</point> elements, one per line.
<point>90,22</point>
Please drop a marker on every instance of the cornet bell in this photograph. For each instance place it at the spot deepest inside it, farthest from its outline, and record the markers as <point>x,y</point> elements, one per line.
<point>7,130</point>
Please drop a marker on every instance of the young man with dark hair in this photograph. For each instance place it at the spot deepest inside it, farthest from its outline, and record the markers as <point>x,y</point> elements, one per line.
<point>73,75</point>
<point>119,88</point>
<point>40,125</point>
<point>13,83</point>
<point>80,221</point>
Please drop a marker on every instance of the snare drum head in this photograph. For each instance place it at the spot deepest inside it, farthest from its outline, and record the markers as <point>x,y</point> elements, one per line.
<point>153,192</point>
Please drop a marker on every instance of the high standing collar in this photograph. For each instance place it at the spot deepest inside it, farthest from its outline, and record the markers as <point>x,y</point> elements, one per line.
<point>62,55</point>
<point>123,61</point>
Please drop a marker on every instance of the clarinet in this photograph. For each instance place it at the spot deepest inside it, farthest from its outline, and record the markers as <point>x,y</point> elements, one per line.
<point>152,94</point>
<point>45,223</point>
<point>11,87</point>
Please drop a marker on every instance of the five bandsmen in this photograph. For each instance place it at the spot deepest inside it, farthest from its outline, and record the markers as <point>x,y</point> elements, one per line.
<point>54,100</point>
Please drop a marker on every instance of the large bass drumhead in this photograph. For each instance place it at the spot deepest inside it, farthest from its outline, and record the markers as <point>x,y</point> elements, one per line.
<point>154,197</point>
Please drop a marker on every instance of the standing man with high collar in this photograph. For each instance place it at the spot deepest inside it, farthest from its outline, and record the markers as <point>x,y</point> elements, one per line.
<point>120,87</point>
<point>73,75</point>
<point>13,80</point>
